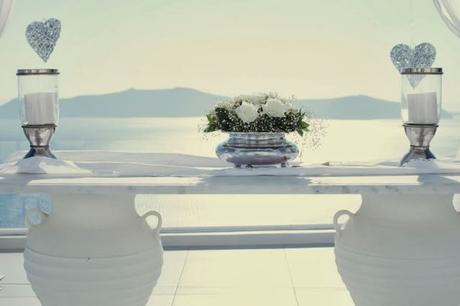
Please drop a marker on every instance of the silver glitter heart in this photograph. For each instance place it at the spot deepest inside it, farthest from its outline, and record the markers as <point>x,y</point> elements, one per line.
<point>422,56</point>
<point>43,36</point>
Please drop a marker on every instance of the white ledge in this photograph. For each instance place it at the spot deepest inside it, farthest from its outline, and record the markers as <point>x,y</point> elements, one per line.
<point>428,183</point>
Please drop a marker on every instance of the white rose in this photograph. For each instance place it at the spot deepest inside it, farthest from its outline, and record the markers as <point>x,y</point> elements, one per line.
<point>247,112</point>
<point>258,99</point>
<point>275,107</point>
<point>255,99</point>
<point>287,101</point>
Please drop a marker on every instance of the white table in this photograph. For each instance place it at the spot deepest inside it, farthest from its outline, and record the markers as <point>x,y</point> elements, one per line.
<point>399,194</point>
<point>120,176</point>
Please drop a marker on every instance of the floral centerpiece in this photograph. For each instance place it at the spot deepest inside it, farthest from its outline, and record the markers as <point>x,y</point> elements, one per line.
<point>266,113</point>
<point>257,126</point>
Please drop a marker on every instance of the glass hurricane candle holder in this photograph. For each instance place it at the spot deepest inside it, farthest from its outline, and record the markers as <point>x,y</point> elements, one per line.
<point>39,108</point>
<point>420,109</point>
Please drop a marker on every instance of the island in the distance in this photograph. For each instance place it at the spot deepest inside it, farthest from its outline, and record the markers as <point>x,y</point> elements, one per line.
<point>187,102</point>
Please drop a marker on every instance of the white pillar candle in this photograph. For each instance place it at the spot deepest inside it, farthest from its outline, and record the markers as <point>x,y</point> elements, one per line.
<point>422,108</point>
<point>39,108</point>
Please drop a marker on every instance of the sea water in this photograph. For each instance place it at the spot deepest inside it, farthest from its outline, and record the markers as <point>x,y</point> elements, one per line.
<point>343,141</point>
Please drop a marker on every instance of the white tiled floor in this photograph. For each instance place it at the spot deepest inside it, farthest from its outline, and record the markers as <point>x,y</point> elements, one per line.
<point>278,277</point>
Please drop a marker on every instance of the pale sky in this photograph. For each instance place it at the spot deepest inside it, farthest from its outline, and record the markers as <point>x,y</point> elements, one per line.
<point>310,49</point>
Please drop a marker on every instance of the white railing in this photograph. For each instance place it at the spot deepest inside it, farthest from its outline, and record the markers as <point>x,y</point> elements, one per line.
<point>273,236</point>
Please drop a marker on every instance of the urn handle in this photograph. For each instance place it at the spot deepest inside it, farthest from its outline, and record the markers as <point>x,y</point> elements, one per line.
<point>156,214</point>
<point>340,213</point>
<point>30,213</point>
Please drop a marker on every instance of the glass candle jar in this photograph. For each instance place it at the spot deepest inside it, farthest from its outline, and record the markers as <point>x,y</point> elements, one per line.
<point>421,95</point>
<point>39,108</point>
<point>38,96</point>
<point>420,110</point>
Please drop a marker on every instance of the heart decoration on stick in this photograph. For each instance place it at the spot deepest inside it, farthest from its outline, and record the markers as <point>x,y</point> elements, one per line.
<point>43,36</point>
<point>422,56</point>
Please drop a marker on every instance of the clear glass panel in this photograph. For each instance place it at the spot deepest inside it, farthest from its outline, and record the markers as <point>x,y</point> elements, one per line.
<point>257,211</point>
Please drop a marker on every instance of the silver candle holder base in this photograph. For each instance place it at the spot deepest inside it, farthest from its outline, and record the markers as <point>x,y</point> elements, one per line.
<point>420,136</point>
<point>39,137</point>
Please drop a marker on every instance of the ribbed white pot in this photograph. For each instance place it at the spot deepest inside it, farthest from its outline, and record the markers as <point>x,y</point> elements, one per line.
<point>401,249</point>
<point>92,250</point>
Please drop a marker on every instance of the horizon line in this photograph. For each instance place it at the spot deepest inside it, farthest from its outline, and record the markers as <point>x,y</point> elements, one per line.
<point>204,92</point>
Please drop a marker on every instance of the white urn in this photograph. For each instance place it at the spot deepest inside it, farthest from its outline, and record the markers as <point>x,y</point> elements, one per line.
<point>92,250</point>
<point>400,249</point>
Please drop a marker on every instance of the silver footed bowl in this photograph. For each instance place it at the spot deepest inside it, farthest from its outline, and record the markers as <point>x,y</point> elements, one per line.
<point>257,149</point>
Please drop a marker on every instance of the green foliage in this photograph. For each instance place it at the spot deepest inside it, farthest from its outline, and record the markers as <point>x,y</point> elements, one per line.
<point>226,120</point>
